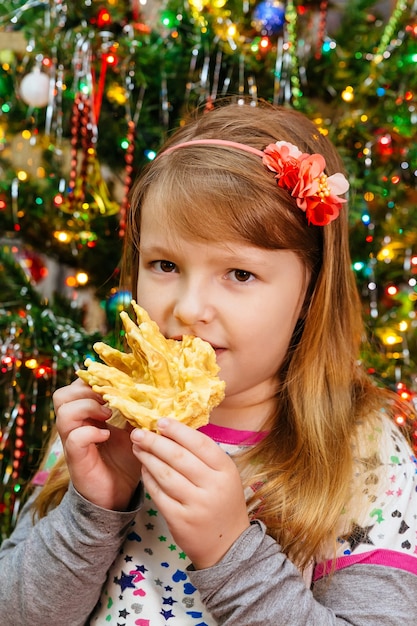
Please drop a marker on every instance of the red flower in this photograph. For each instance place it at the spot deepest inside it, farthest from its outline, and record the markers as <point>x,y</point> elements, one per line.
<point>303,176</point>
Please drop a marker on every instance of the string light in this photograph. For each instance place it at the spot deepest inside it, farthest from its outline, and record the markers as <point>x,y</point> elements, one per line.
<point>82,278</point>
<point>348,94</point>
<point>383,198</point>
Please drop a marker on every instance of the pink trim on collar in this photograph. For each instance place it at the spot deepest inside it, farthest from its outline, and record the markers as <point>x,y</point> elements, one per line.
<point>221,434</point>
<point>381,556</point>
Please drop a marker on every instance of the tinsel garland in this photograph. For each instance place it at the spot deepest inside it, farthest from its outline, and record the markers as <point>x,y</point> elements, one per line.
<point>136,69</point>
<point>42,343</point>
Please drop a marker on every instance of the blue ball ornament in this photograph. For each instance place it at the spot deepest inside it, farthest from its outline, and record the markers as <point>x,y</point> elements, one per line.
<point>115,304</point>
<point>269,17</point>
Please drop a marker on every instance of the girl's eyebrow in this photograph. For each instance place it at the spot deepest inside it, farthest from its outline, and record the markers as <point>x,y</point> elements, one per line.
<point>234,258</point>
<point>227,255</point>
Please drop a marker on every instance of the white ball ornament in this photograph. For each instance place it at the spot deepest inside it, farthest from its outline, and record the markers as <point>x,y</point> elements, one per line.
<point>34,89</point>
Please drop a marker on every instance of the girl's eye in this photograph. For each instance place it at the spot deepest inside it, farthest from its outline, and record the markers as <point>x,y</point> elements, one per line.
<point>164,266</point>
<point>241,276</point>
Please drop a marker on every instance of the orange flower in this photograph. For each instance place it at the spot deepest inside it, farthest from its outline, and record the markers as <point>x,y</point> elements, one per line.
<point>303,176</point>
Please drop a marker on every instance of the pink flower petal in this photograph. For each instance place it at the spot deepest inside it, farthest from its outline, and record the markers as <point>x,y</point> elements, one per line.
<point>338,184</point>
<point>288,148</point>
<point>302,175</point>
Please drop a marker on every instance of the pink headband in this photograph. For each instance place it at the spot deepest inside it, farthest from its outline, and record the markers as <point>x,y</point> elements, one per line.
<point>301,174</point>
<point>215,142</point>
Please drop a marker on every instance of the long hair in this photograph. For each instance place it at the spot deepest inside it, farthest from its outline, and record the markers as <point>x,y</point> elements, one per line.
<point>220,194</point>
<point>216,193</point>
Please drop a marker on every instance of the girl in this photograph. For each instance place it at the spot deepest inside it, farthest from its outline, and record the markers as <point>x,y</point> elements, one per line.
<point>296,504</point>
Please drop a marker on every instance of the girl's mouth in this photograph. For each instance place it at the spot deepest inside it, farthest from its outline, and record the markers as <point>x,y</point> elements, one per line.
<point>217,349</point>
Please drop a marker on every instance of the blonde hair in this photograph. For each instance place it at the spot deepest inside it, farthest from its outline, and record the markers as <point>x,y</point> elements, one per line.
<point>214,193</point>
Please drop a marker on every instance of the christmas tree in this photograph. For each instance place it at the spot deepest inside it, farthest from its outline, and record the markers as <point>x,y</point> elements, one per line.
<point>88,93</point>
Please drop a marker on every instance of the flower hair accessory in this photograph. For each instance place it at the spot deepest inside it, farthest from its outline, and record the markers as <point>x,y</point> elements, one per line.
<point>301,174</point>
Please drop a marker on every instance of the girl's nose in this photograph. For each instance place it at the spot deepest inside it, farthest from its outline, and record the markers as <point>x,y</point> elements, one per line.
<point>193,305</point>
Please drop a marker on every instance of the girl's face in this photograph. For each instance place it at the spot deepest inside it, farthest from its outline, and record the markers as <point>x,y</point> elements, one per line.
<point>244,300</point>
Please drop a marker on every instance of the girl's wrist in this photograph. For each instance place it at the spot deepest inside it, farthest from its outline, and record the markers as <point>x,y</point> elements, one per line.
<point>217,551</point>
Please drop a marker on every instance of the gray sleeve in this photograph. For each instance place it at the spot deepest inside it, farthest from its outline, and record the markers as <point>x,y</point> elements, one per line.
<point>52,572</point>
<point>257,585</point>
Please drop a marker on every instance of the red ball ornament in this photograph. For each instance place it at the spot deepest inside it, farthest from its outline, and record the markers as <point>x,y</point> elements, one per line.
<point>34,266</point>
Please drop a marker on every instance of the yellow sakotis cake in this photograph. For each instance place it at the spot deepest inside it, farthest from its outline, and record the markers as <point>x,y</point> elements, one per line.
<point>159,378</point>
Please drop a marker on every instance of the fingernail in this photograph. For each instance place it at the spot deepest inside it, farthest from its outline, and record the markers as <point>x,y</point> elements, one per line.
<point>137,434</point>
<point>162,423</point>
<point>106,411</point>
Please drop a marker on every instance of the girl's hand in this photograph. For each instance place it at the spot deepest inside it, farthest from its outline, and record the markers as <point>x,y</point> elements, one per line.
<point>196,487</point>
<point>101,464</point>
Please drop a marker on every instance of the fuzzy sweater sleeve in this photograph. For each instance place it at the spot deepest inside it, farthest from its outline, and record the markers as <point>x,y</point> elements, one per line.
<point>255,584</point>
<point>52,572</point>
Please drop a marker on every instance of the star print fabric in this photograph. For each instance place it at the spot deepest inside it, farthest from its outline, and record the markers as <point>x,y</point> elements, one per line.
<point>386,534</point>
<point>148,584</point>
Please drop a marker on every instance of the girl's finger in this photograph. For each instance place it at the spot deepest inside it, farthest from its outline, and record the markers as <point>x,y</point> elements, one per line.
<point>172,491</point>
<point>80,439</point>
<point>81,452</point>
<point>166,459</point>
<point>77,390</point>
<point>77,413</point>
<point>189,439</point>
